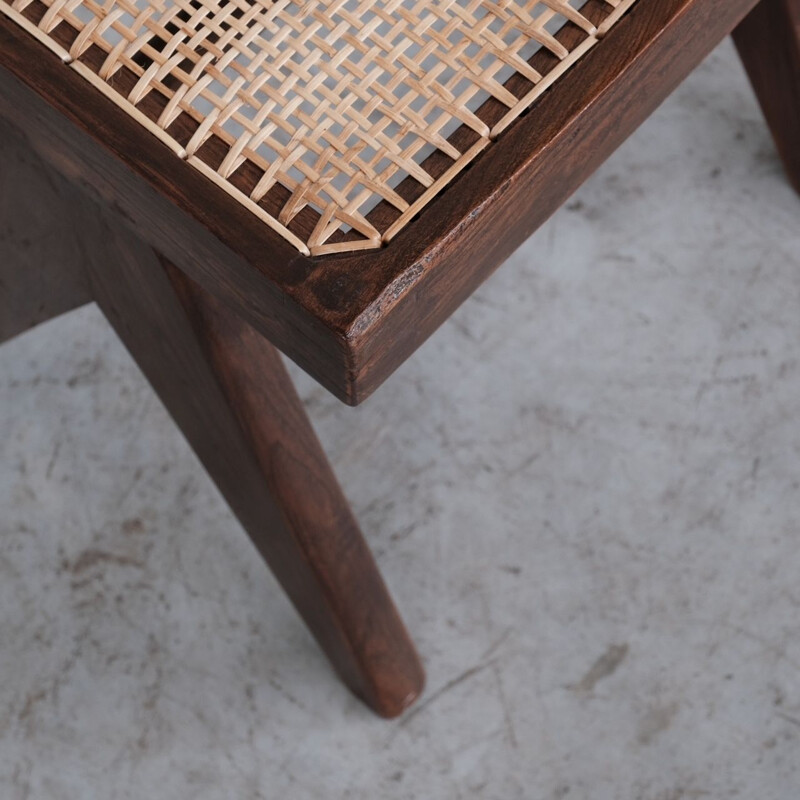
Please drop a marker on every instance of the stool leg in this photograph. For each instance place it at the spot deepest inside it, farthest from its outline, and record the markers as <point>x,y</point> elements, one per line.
<point>41,253</point>
<point>229,392</point>
<point>768,41</point>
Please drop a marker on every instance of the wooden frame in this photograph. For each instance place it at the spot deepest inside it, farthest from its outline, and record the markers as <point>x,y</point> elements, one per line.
<point>200,290</point>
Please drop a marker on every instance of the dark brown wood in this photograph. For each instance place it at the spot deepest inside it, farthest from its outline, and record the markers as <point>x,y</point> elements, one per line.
<point>165,202</point>
<point>41,257</point>
<point>517,184</point>
<point>228,391</point>
<point>351,320</point>
<point>768,41</point>
<point>230,394</point>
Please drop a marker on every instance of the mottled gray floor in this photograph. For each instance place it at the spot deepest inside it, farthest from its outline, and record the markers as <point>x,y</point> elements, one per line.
<point>583,492</point>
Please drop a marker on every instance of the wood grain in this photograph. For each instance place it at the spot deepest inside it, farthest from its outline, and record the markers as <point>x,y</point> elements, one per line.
<point>514,187</point>
<point>229,392</point>
<point>768,41</point>
<point>41,256</point>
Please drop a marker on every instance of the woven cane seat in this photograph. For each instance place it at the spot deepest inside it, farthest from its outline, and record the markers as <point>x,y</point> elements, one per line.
<point>334,121</point>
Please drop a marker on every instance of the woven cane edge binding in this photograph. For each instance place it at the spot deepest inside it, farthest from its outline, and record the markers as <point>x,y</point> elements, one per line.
<point>413,209</point>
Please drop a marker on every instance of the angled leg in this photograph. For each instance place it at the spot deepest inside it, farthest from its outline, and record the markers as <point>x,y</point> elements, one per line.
<point>228,390</point>
<point>768,41</point>
<point>41,255</point>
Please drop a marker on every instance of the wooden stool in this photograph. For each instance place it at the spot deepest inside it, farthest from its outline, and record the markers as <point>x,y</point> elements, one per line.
<point>327,177</point>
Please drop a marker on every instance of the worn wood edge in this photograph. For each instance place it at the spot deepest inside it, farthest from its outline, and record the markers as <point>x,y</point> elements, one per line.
<point>383,334</point>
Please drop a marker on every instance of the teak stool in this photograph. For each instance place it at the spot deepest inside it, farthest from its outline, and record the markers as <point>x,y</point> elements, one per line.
<point>331,178</point>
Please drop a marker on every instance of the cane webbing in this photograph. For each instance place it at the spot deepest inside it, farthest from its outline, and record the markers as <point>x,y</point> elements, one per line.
<point>335,121</point>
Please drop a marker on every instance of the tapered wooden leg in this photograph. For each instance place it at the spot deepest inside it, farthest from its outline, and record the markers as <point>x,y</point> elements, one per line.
<point>41,258</point>
<point>768,41</point>
<point>228,390</point>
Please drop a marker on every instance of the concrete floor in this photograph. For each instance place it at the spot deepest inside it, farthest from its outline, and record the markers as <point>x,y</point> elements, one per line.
<point>583,492</point>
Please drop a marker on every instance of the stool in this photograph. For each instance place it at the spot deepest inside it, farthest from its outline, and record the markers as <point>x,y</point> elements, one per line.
<point>327,178</point>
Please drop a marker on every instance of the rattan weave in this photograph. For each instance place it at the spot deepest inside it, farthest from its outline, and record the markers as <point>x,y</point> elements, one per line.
<point>314,113</point>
